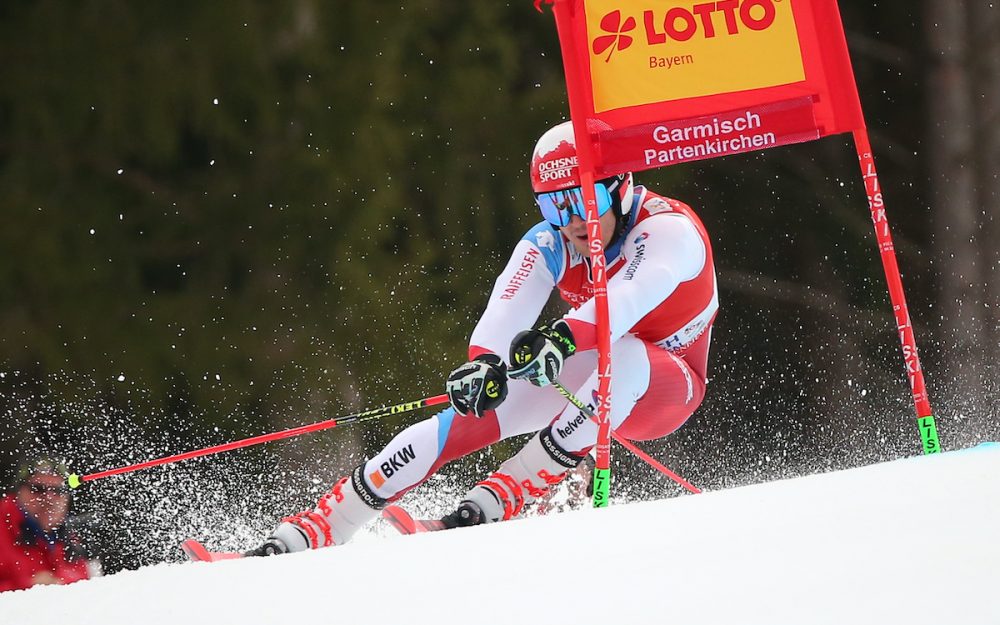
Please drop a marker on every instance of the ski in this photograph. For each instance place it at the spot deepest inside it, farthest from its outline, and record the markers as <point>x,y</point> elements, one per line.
<point>406,524</point>
<point>398,517</point>
<point>197,552</point>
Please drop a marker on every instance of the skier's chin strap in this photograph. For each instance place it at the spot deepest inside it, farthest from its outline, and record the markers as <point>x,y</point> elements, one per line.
<point>623,224</point>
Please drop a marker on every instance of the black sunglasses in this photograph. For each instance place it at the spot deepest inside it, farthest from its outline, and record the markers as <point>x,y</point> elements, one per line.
<point>41,489</point>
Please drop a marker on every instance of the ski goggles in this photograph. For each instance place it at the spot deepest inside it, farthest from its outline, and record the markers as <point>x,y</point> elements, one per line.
<point>558,207</point>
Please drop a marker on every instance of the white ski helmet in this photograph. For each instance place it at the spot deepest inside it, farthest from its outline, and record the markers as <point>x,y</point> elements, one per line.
<point>554,169</point>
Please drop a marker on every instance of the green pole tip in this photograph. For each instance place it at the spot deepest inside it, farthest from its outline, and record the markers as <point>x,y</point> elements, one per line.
<point>74,480</point>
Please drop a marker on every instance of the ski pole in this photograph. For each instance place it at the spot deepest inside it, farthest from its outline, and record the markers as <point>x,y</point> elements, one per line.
<point>653,462</point>
<point>367,415</point>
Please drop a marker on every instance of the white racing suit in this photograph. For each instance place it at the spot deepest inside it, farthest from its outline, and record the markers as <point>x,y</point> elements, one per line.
<point>663,299</point>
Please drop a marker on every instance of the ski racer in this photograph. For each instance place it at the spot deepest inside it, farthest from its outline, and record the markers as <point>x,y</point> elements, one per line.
<point>663,300</point>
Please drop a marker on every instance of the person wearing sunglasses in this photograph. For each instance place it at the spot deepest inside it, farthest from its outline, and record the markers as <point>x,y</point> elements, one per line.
<point>35,545</point>
<point>663,301</point>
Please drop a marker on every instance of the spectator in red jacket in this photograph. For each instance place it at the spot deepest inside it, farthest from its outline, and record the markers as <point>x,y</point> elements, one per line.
<point>35,546</point>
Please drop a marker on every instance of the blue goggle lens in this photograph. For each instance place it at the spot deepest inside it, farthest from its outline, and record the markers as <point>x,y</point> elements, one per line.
<point>558,207</point>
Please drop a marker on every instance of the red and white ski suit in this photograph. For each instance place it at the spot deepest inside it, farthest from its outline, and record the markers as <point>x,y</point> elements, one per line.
<point>663,299</point>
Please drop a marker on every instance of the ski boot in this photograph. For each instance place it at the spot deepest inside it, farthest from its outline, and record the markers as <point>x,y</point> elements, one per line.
<point>468,513</point>
<point>523,479</point>
<point>348,506</point>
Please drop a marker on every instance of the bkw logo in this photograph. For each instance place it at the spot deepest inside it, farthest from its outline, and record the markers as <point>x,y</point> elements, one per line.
<point>397,461</point>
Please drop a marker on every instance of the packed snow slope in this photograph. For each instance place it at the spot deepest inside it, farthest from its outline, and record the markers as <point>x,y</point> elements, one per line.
<point>913,541</point>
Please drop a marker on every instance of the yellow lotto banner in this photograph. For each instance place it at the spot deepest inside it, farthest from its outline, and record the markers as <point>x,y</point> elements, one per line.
<point>646,51</point>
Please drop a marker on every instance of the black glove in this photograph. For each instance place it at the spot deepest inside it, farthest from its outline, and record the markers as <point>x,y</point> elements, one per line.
<point>537,355</point>
<point>478,386</point>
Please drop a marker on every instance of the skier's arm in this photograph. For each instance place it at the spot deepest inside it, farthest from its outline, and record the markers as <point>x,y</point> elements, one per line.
<point>663,251</point>
<point>519,294</point>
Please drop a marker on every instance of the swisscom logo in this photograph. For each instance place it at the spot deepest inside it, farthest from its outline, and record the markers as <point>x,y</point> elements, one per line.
<point>706,20</point>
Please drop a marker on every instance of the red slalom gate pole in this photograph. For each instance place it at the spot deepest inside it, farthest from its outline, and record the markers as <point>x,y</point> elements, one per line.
<point>367,415</point>
<point>656,464</point>
<point>925,416</point>
<point>602,467</point>
<point>598,269</point>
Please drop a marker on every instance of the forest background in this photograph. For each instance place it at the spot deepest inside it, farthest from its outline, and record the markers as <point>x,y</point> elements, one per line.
<point>223,219</point>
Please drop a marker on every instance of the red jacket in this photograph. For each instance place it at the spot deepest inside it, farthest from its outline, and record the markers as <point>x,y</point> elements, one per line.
<point>22,553</point>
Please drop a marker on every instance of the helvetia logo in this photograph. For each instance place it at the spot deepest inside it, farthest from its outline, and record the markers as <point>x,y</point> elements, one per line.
<point>680,24</point>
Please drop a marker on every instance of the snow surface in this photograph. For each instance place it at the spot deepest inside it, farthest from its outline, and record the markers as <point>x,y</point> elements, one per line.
<point>912,541</point>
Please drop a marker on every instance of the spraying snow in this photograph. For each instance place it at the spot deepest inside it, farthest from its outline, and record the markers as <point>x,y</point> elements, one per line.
<point>911,541</point>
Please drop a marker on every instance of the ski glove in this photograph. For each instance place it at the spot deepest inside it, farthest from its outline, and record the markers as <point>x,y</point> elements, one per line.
<point>537,355</point>
<point>478,386</point>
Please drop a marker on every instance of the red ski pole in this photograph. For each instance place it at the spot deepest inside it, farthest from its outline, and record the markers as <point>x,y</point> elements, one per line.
<point>375,413</point>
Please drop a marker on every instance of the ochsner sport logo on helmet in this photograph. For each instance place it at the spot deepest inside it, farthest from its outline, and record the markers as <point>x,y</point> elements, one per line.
<point>553,161</point>
<point>557,169</point>
<point>707,20</point>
